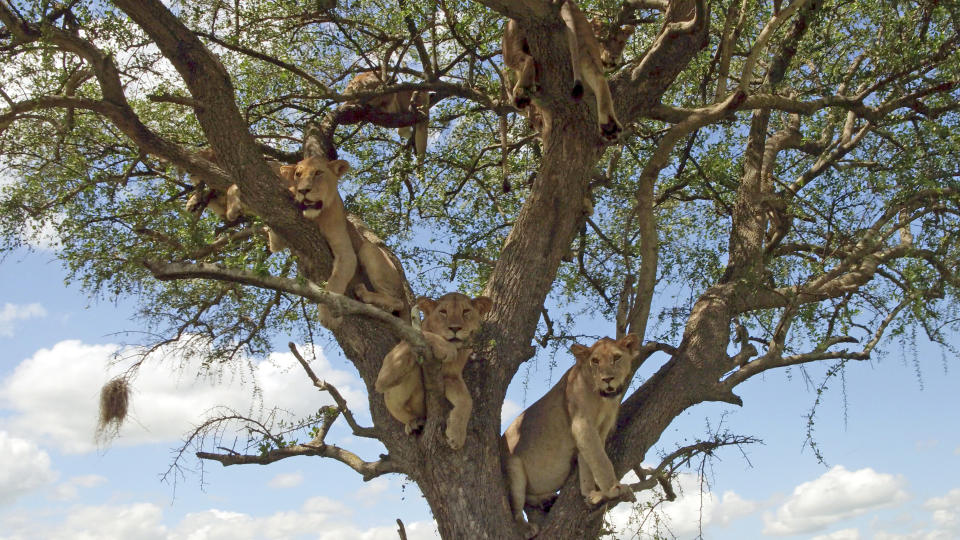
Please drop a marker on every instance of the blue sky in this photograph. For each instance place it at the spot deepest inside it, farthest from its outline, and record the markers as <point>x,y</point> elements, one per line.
<point>892,451</point>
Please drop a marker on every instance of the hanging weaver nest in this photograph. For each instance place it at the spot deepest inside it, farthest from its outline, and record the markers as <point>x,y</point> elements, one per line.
<point>114,402</point>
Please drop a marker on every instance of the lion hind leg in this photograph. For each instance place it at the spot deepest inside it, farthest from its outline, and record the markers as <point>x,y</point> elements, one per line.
<point>396,364</point>
<point>517,484</point>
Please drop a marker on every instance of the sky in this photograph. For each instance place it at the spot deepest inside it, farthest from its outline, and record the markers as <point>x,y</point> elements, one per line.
<point>887,431</point>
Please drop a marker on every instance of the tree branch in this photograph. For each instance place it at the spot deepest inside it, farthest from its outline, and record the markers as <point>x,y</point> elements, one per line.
<point>338,304</point>
<point>358,430</point>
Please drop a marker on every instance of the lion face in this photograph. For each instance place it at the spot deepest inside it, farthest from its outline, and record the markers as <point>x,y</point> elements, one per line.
<point>608,363</point>
<point>314,183</point>
<point>454,316</point>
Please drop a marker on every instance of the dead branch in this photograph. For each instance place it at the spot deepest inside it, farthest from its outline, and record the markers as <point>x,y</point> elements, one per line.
<point>358,430</point>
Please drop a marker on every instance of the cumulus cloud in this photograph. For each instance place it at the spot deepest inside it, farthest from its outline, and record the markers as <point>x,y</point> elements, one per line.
<point>318,518</point>
<point>946,510</point>
<point>15,312</point>
<point>70,489</point>
<point>836,495</point>
<point>508,411</point>
<point>286,480</point>
<point>32,469</point>
<point>372,490</point>
<point>165,403</point>
<point>695,508</point>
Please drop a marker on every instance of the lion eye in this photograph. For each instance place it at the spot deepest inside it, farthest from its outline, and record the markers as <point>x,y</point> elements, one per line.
<point>467,311</point>
<point>443,312</point>
<point>595,361</point>
<point>616,357</point>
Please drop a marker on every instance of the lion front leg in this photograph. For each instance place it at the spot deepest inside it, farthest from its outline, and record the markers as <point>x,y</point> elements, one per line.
<point>457,394</point>
<point>344,268</point>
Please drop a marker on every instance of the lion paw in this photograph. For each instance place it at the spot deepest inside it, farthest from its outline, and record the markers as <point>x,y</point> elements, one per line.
<point>618,491</point>
<point>611,130</point>
<point>414,426</point>
<point>594,497</point>
<point>456,438</point>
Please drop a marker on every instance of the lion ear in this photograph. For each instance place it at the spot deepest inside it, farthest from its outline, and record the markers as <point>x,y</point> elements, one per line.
<point>339,167</point>
<point>581,353</point>
<point>483,304</point>
<point>630,342</point>
<point>426,305</point>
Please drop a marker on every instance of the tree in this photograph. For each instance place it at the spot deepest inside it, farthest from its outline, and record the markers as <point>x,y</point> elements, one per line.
<point>790,169</point>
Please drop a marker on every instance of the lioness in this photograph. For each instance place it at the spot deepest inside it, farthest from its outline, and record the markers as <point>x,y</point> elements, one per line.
<point>395,102</point>
<point>448,324</point>
<point>314,185</point>
<point>227,204</point>
<point>571,421</point>
<point>585,57</point>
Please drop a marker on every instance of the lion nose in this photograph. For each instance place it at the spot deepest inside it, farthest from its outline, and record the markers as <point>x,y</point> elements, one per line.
<point>607,380</point>
<point>455,329</point>
<point>303,191</point>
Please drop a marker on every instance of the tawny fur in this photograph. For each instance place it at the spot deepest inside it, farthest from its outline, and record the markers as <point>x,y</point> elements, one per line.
<point>449,323</point>
<point>568,425</point>
<point>227,204</point>
<point>395,102</point>
<point>585,58</point>
<point>313,182</point>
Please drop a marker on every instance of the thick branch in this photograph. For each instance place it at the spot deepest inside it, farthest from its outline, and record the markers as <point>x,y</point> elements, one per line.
<point>368,469</point>
<point>338,304</point>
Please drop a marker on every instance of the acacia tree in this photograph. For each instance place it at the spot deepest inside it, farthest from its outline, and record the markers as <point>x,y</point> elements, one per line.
<point>785,189</point>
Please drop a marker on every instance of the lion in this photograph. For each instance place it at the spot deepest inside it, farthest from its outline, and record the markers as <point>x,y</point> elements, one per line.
<point>448,324</point>
<point>313,182</point>
<point>568,425</point>
<point>395,102</point>
<point>585,58</point>
<point>227,204</point>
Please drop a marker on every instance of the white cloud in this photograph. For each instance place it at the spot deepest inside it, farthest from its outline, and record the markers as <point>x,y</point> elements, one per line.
<point>842,534</point>
<point>70,489</point>
<point>508,411</point>
<point>14,312</point>
<point>836,495</point>
<point>165,402</point>
<point>286,480</point>
<point>946,510</point>
<point>26,467</point>
<point>685,516</point>
<point>318,518</point>
<point>372,490</point>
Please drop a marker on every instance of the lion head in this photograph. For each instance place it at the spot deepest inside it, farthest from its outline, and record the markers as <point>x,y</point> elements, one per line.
<point>453,316</point>
<point>314,183</point>
<point>608,363</point>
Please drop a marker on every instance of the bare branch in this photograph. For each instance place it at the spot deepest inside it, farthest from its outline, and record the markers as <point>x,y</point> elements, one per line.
<point>358,430</point>
<point>368,469</point>
<point>338,304</point>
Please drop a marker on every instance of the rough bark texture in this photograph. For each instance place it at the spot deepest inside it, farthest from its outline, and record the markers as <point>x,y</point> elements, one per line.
<point>465,488</point>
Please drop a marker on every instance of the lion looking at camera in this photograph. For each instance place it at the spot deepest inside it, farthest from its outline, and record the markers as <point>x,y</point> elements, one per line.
<point>449,323</point>
<point>568,425</point>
